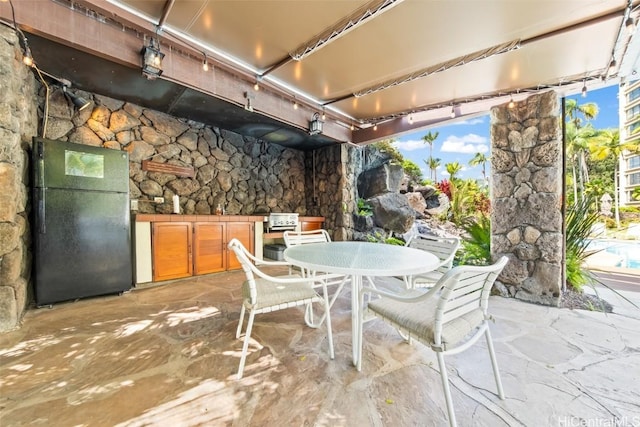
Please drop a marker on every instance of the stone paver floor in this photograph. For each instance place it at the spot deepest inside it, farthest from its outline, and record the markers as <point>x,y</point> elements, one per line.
<point>166,356</point>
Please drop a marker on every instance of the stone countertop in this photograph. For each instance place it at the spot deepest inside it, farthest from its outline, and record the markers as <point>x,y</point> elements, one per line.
<point>197,218</point>
<point>144,217</point>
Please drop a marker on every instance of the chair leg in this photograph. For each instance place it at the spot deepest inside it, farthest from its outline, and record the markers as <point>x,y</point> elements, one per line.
<point>360,333</point>
<point>245,346</point>
<point>447,390</point>
<point>494,363</point>
<point>327,318</point>
<point>239,330</point>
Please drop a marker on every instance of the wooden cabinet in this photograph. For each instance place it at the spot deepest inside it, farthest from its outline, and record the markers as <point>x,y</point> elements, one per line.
<point>210,240</point>
<point>309,223</point>
<point>182,249</point>
<point>172,256</point>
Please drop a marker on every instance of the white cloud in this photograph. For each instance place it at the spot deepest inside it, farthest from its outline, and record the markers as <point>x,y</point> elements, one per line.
<point>411,145</point>
<point>471,122</point>
<point>467,144</point>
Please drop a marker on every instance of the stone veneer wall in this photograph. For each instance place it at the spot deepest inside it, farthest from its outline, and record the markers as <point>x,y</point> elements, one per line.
<point>526,185</point>
<point>242,174</point>
<point>18,123</point>
<point>332,172</point>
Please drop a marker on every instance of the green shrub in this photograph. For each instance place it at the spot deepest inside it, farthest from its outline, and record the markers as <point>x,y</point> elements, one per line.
<point>476,242</point>
<point>579,222</point>
<point>364,208</point>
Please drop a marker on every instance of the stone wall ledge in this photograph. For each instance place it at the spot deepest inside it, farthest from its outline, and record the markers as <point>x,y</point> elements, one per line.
<point>197,218</point>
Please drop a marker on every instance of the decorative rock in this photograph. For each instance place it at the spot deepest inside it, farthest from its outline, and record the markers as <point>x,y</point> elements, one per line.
<point>153,137</point>
<point>383,179</point>
<point>9,237</point>
<point>101,115</point>
<point>132,109</point>
<point>546,180</point>
<point>121,120</point>
<point>11,265</point>
<point>416,201</point>
<point>502,161</point>
<point>550,245</point>
<point>505,215</point>
<point>8,200</point>
<point>165,124</point>
<point>514,236</point>
<point>189,140</point>
<point>531,235</point>
<point>110,103</point>
<point>543,210</point>
<point>57,128</point>
<point>101,131</point>
<point>522,192</point>
<point>515,272</point>
<point>527,252</point>
<point>151,188</point>
<point>84,135</point>
<point>139,150</point>
<point>392,212</point>
<point>546,154</point>
<point>8,308</point>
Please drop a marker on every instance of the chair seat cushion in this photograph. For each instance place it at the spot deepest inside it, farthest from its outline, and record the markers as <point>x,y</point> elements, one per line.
<point>270,294</point>
<point>419,319</point>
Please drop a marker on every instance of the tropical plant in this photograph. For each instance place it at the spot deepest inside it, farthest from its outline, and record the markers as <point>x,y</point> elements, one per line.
<point>607,144</point>
<point>412,171</point>
<point>476,241</point>
<point>432,164</point>
<point>480,159</point>
<point>453,169</point>
<point>636,193</point>
<point>579,223</point>
<point>574,111</point>
<point>379,238</point>
<point>579,140</point>
<point>430,138</point>
<point>444,186</point>
<point>386,146</point>
<point>364,208</point>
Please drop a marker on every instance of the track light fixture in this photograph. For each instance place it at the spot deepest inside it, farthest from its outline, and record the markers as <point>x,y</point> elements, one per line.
<point>630,23</point>
<point>453,112</point>
<point>584,89</point>
<point>77,100</point>
<point>410,119</point>
<point>315,125</point>
<point>152,59</point>
<point>375,126</point>
<point>256,86</point>
<point>205,64</point>
<point>295,104</point>
<point>324,116</point>
<point>511,102</point>
<point>352,127</point>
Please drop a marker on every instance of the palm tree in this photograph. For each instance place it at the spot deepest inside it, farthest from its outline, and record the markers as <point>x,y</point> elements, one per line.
<point>480,159</point>
<point>433,164</point>
<point>453,169</point>
<point>430,138</point>
<point>572,110</point>
<point>605,144</point>
<point>578,141</point>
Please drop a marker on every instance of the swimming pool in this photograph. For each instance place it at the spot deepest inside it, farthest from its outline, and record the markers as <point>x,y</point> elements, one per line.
<point>627,252</point>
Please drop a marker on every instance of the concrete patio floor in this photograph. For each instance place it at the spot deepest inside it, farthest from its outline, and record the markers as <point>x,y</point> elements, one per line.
<point>166,356</point>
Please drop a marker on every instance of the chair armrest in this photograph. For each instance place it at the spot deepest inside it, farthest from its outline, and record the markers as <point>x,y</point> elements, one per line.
<point>412,295</point>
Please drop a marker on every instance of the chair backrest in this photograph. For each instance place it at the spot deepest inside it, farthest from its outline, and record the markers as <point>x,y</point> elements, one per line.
<point>295,238</point>
<point>247,261</point>
<point>443,247</point>
<point>464,289</point>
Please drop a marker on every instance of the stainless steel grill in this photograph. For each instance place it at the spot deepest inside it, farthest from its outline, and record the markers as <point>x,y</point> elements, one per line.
<point>279,221</point>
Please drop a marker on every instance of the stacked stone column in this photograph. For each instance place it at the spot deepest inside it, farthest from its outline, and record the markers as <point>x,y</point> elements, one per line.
<point>526,185</point>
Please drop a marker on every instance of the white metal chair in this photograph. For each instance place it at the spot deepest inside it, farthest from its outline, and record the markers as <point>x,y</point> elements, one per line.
<point>449,317</point>
<point>443,247</point>
<point>295,238</point>
<point>265,293</point>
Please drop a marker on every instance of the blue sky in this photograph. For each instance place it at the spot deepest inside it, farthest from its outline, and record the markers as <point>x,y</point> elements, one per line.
<point>460,141</point>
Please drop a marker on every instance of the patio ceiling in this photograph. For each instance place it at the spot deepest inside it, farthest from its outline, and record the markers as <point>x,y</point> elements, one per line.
<point>400,65</point>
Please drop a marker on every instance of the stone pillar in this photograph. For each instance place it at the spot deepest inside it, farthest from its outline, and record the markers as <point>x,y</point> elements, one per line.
<point>526,185</point>
<point>18,124</point>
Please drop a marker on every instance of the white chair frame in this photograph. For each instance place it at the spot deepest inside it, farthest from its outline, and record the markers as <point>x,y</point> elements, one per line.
<point>462,290</point>
<point>444,248</point>
<point>252,295</point>
<point>295,238</point>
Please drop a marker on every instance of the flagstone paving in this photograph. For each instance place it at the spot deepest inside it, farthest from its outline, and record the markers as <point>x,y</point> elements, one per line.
<point>167,356</point>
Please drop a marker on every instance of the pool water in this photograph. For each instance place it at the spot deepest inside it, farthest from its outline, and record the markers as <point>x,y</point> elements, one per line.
<point>627,251</point>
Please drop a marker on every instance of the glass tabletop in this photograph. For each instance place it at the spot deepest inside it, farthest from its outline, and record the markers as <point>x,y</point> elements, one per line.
<point>361,258</point>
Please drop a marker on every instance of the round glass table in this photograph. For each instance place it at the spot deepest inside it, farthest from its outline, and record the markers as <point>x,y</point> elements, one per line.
<point>358,260</point>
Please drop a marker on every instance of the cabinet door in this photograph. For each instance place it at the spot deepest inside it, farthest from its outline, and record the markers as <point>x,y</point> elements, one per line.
<point>242,231</point>
<point>171,250</point>
<point>209,247</point>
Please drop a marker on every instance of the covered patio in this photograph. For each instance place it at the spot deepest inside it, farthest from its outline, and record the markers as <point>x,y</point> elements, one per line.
<point>166,355</point>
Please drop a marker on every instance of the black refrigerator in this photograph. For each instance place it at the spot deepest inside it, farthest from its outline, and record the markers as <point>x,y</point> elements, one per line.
<point>81,227</point>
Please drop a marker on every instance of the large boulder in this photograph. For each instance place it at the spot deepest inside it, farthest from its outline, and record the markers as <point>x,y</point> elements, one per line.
<point>383,179</point>
<point>391,211</point>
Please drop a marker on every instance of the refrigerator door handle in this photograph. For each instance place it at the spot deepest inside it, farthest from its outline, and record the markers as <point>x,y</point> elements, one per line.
<point>42,211</point>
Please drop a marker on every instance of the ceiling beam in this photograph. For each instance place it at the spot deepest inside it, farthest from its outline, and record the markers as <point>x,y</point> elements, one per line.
<point>119,37</point>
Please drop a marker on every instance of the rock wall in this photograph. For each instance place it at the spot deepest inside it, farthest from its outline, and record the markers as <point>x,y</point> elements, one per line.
<point>526,186</point>
<point>330,187</point>
<point>241,174</point>
<point>18,123</point>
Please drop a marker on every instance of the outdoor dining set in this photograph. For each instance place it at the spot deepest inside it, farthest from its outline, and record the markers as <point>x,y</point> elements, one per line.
<point>441,306</point>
